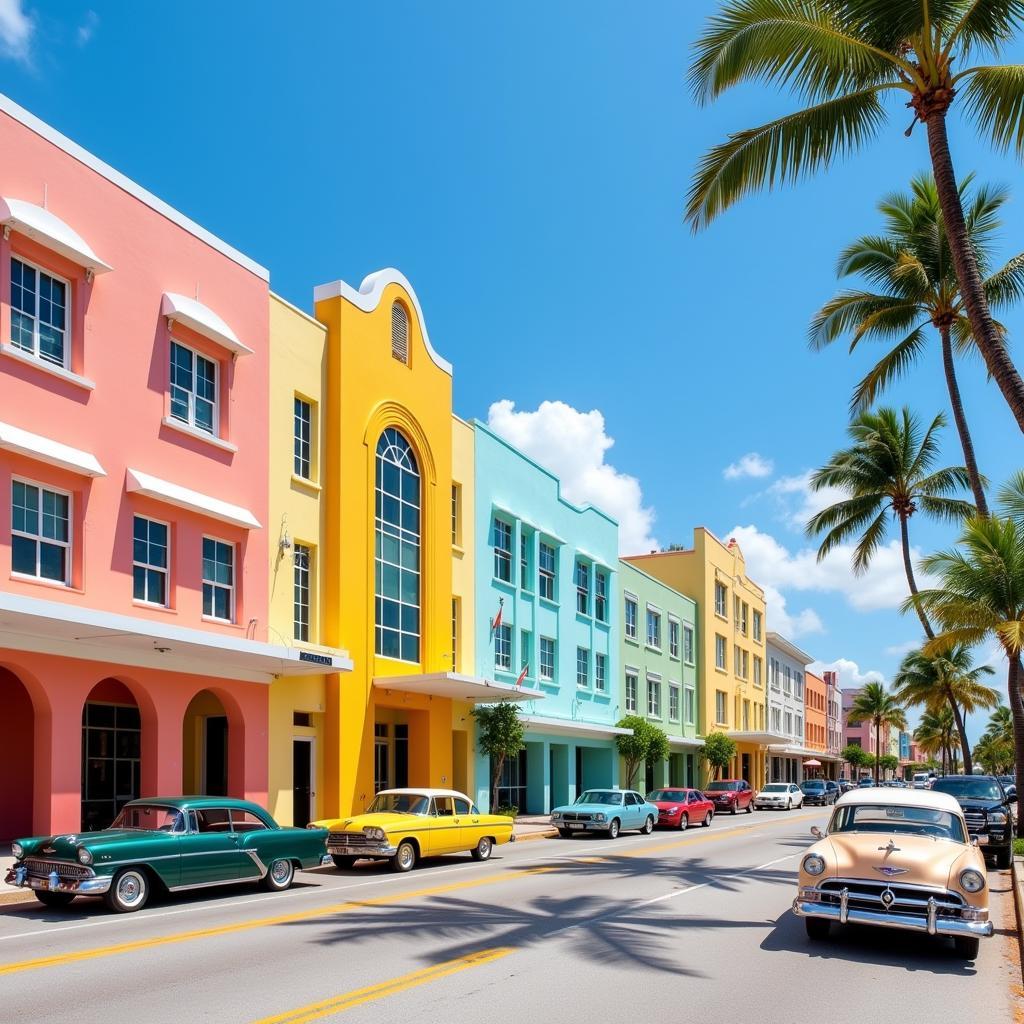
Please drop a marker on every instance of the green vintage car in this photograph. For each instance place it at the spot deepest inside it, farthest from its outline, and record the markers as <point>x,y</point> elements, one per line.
<point>170,843</point>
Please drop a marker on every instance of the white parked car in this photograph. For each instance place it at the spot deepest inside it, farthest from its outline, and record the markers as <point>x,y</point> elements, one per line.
<point>779,796</point>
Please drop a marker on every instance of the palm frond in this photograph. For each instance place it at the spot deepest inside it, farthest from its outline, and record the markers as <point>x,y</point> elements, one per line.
<point>781,151</point>
<point>874,257</point>
<point>1011,497</point>
<point>848,310</point>
<point>787,43</point>
<point>1006,286</point>
<point>994,98</point>
<point>888,369</point>
<point>986,24</point>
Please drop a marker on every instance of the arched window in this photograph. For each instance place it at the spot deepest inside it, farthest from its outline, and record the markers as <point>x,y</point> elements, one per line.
<point>397,560</point>
<point>399,332</point>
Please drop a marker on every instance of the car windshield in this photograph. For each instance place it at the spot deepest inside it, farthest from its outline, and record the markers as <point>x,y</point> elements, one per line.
<point>969,789</point>
<point>722,787</point>
<point>674,796</point>
<point>775,787</point>
<point>810,784</point>
<point>150,818</point>
<point>915,821</point>
<point>599,796</point>
<point>399,803</point>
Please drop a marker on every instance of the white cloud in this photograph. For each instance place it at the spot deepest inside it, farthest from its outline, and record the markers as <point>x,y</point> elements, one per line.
<point>899,650</point>
<point>797,502</point>
<point>16,28</point>
<point>803,623</point>
<point>87,29</point>
<point>750,465</point>
<point>573,445</point>
<point>850,675</point>
<point>883,586</point>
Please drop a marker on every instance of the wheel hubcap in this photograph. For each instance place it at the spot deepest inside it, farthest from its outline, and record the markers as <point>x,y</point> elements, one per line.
<point>130,889</point>
<point>405,857</point>
<point>280,871</point>
<point>485,847</point>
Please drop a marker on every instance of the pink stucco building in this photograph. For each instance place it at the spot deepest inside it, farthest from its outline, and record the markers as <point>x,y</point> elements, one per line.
<point>134,655</point>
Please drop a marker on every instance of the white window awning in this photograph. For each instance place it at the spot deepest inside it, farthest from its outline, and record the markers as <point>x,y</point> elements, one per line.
<point>456,686</point>
<point>182,497</point>
<point>45,449</point>
<point>201,319</point>
<point>49,230</point>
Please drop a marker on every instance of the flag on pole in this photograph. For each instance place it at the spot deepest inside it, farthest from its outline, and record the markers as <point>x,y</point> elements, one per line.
<point>496,621</point>
<point>522,675</point>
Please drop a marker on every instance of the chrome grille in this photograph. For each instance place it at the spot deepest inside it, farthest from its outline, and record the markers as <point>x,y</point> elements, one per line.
<point>577,816</point>
<point>351,839</point>
<point>866,894</point>
<point>976,820</point>
<point>65,869</point>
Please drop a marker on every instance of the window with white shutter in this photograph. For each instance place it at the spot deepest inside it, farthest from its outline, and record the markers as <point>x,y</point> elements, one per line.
<point>399,332</point>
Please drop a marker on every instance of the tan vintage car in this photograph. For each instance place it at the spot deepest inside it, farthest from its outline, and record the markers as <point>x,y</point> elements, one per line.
<point>896,858</point>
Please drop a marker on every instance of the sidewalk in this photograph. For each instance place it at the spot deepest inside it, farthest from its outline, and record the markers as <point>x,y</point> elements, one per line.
<point>533,826</point>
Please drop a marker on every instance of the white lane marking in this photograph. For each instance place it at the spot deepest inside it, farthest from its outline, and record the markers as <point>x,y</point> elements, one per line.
<point>229,902</point>
<point>726,878</point>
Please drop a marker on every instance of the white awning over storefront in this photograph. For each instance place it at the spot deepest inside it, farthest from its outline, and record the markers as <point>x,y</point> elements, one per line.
<point>457,687</point>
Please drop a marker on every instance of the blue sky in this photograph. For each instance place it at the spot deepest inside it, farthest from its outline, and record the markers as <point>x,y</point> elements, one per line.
<point>525,167</point>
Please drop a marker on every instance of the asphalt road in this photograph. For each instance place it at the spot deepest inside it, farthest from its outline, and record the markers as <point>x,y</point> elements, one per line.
<point>670,927</point>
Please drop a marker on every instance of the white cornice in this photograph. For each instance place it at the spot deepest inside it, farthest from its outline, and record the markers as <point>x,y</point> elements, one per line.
<point>368,299</point>
<point>44,449</point>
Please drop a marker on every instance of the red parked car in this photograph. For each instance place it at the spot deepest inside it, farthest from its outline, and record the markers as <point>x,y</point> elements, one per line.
<point>681,808</point>
<point>732,795</point>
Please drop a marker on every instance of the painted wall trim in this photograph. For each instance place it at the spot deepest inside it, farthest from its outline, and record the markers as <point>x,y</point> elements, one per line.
<point>50,231</point>
<point>138,482</point>
<point>83,156</point>
<point>44,449</point>
<point>368,299</point>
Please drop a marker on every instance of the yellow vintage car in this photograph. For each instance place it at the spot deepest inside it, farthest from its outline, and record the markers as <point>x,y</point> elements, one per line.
<point>896,858</point>
<point>403,825</point>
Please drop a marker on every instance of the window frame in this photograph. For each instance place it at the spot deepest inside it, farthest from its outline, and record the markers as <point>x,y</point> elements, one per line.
<point>547,579</point>
<point>233,589</point>
<point>721,663</point>
<point>690,704</point>
<point>165,571</point>
<point>503,648</point>
<point>721,608</point>
<point>39,539</point>
<point>721,707</point>
<point>298,441</point>
<point>632,692</point>
<point>653,695</point>
<point>600,672</point>
<point>190,422</point>
<point>630,599</point>
<point>502,556</point>
<point>600,595</point>
<point>546,644</point>
<point>689,644</point>
<point>298,547</point>
<point>674,632</point>
<point>34,354</point>
<point>674,692</point>
<point>581,578</point>
<point>582,667</point>
<point>653,617</point>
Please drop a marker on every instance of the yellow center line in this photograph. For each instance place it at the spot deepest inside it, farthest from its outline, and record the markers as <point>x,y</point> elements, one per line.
<point>359,996</point>
<point>262,922</point>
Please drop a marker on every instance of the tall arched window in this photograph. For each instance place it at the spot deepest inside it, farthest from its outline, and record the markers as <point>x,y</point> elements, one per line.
<point>399,332</point>
<point>397,549</point>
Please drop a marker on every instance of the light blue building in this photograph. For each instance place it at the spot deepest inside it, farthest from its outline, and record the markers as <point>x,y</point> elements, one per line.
<point>551,570</point>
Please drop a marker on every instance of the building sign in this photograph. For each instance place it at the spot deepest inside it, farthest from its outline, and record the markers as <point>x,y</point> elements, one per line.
<point>317,659</point>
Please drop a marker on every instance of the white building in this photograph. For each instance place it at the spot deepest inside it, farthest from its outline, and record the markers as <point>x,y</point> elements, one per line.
<point>786,667</point>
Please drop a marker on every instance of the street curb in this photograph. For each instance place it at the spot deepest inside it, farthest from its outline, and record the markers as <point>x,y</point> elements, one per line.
<point>537,835</point>
<point>1018,903</point>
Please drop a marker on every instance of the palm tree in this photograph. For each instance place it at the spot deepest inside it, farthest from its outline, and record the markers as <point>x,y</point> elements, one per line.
<point>1000,726</point>
<point>842,58</point>
<point>946,679</point>
<point>993,755</point>
<point>875,704</point>
<point>887,473</point>
<point>980,597</point>
<point>911,270</point>
<point>934,734</point>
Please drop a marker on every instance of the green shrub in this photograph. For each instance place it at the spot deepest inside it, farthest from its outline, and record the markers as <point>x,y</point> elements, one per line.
<point>508,811</point>
<point>1018,847</point>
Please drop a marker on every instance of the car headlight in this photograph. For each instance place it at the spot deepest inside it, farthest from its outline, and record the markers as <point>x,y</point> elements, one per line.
<point>375,833</point>
<point>312,825</point>
<point>598,817</point>
<point>17,850</point>
<point>556,816</point>
<point>672,810</point>
<point>999,817</point>
<point>813,864</point>
<point>84,856</point>
<point>971,880</point>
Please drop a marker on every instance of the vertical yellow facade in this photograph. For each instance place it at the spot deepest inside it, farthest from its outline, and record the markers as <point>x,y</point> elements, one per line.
<point>732,629</point>
<point>383,375</point>
<point>296,538</point>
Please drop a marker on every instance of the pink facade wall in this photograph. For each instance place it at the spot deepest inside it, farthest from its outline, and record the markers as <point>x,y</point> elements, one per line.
<point>121,342</point>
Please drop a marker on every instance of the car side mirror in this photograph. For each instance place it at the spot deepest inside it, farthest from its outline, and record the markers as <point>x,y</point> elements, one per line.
<point>816,832</point>
<point>1011,798</point>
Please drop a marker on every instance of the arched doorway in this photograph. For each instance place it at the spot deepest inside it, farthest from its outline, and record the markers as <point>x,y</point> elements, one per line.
<point>206,736</point>
<point>111,752</point>
<point>17,757</point>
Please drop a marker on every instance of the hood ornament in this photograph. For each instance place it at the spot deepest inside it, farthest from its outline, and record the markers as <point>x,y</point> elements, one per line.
<point>890,848</point>
<point>890,871</point>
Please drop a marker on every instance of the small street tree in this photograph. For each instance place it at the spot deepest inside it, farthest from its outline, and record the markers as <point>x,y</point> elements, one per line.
<point>500,736</point>
<point>647,744</point>
<point>718,751</point>
<point>876,705</point>
<point>889,763</point>
<point>856,757</point>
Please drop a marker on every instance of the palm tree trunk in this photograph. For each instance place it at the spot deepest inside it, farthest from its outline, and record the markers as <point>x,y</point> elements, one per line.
<point>987,339</point>
<point>961,728</point>
<point>1013,684</point>
<point>878,751</point>
<point>911,582</point>
<point>961,421</point>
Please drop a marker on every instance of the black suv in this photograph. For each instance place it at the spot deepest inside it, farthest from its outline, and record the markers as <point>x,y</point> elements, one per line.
<point>987,810</point>
<point>816,792</point>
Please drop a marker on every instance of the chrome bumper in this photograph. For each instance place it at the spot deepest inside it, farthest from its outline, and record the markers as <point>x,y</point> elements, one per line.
<point>91,885</point>
<point>930,922</point>
<point>581,826</point>
<point>374,850</point>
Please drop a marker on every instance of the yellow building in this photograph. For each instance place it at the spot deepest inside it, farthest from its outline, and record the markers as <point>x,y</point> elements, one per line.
<point>386,581</point>
<point>731,631</point>
<point>297,713</point>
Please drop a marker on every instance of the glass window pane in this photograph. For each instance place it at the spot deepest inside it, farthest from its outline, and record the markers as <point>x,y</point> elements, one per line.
<point>52,562</point>
<point>23,555</point>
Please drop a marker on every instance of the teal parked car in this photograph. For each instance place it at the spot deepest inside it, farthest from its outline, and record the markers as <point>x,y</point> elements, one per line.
<point>170,843</point>
<point>610,811</point>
